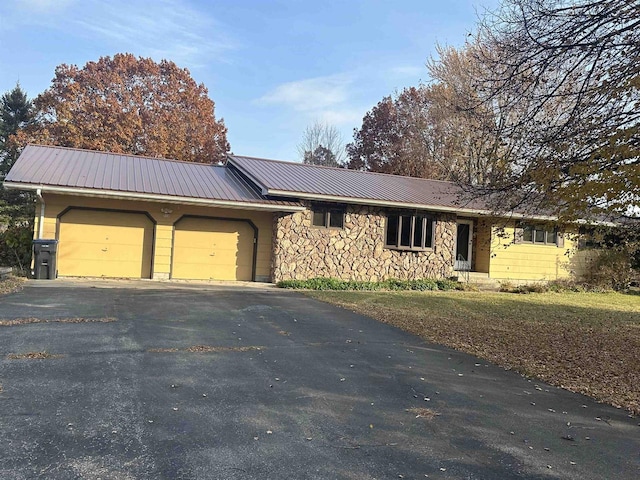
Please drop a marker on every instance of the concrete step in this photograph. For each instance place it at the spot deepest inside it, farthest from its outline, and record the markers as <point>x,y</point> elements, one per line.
<point>480,280</point>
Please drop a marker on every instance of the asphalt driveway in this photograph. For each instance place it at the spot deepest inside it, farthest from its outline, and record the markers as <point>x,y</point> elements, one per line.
<point>200,382</point>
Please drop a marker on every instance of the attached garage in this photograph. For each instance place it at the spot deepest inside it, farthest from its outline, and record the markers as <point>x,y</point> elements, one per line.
<point>103,243</point>
<point>207,248</point>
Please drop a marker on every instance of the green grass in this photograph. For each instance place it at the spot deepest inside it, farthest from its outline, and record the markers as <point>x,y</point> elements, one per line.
<point>585,342</point>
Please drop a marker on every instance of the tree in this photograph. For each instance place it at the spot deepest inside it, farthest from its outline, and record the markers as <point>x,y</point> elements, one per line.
<point>568,72</point>
<point>391,139</point>
<point>130,105</point>
<point>16,208</point>
<point>422,132</point>
<point>16,112</point>
<point>322,144</point>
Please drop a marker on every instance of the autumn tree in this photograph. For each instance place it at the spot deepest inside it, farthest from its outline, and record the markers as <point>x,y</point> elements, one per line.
<point>391,139</point>
<point>322,144</point>
<point>422,132</point>
<point>569,74</point>
<point>131,105</point>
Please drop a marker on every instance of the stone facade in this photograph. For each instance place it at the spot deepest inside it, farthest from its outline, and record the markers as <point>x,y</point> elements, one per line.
<point>356,252</point>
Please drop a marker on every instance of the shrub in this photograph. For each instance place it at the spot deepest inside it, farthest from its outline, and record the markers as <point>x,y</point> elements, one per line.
<point>391,284</point>
<point>611,269</point>
<point>15,247</point>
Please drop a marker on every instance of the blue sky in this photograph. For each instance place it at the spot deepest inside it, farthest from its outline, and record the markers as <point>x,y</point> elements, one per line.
<point>272,67</point>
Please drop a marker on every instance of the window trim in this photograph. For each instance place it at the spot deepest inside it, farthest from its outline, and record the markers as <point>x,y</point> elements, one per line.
<point>326,212</point>
<point>430,220</point>
<point>535,229</point>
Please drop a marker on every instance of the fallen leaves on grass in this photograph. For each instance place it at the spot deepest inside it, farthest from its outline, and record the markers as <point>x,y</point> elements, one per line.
<point>33,356</point>
<point>25,321</point>
<point>425,413</point>
<point>585,343</point>
<point>205,349</point>
<point>11,284</point>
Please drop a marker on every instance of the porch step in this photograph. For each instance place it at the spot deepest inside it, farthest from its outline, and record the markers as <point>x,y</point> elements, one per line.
<point>479,279</point>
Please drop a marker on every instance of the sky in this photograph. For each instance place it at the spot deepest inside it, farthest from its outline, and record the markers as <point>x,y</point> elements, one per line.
<point>272,67</point>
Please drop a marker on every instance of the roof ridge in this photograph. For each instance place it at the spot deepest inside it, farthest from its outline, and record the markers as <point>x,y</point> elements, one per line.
<point>341,169</point>
<point>132,155</point>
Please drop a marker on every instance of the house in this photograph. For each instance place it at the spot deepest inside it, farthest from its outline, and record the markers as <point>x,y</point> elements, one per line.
<point>118,215</point>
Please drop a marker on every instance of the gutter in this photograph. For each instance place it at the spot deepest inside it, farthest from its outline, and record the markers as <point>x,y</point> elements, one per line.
<point>42,207</point>
<point>384,203</point>
<point>91,192</point>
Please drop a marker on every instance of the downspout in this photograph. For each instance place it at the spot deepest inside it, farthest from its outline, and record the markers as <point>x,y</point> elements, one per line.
<point>42,206</point>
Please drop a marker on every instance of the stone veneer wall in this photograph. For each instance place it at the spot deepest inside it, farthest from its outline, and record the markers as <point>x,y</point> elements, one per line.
<point>302,251</point>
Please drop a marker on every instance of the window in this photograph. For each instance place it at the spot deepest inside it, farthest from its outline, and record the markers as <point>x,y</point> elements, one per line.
<point>590,237</point>
<point>409,232</point>
<point>328,217</point>
<point>537,234</point>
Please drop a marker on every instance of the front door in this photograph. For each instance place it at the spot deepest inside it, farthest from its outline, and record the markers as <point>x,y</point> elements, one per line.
<point>464,245</point>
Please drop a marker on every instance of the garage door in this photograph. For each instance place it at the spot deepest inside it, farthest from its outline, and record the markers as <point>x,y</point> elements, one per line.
<point>95,243</point>
<point>211,249</point>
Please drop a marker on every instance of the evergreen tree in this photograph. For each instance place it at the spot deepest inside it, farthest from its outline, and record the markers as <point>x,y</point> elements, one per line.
<point>16,111</point>
<point>16,208</point>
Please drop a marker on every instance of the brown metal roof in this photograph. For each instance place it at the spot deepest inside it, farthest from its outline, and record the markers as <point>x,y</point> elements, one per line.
<point>86,169</point>
<point>308,181</point>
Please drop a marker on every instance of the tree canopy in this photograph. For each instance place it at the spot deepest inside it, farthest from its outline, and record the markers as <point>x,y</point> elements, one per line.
<point>537,112</point>
<point>420,132</point>
<point>16,112</point>
<point>322,144</point>
<point>130,105</point>
<point>568,74</point>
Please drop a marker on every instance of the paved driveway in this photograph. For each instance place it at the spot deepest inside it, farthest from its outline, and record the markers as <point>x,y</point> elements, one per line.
<point>291,388</point>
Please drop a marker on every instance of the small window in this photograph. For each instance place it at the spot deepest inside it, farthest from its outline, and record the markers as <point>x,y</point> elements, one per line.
<point>551,236</point>
<point>392,230</point>
<point>319,218</point>
<point>405,232</point>
<point>409,232</point>
<point>539,235</point>
<point>328,218</point>
<point>336,218</point>
<point>590,238</point>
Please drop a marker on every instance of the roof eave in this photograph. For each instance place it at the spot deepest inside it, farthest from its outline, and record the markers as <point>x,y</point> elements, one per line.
<point>120,195</point>
<point>383,203</point>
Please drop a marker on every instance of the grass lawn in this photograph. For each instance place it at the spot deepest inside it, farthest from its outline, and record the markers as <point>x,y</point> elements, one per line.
<point>584,342</point>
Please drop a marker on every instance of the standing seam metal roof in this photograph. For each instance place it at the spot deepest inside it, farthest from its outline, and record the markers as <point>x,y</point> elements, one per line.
<point>281,178</point>
<point>40,165</point>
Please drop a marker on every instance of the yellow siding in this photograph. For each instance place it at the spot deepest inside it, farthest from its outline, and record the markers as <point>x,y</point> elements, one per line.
<point>165,215</point>
<point>529,262</point>
<point>482,247</point>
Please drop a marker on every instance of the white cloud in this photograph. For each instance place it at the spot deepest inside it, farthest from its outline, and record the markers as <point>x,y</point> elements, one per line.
<point>161,29</point>
<point>168,29</point>
<point>327,99</point>
<point>312,94</point>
